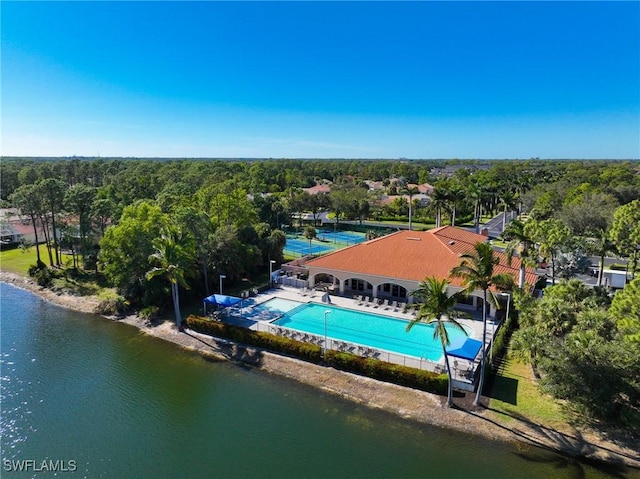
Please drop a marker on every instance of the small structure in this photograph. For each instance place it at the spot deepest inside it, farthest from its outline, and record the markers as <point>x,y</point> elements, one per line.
<point>220,300</point>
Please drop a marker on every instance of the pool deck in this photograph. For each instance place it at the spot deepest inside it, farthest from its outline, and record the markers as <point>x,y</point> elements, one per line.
<point>463,370</point>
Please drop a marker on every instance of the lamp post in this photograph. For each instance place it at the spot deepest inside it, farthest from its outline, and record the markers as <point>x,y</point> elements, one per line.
<point>222,276</point>
<point>271,263</point>
<point>324,346</point>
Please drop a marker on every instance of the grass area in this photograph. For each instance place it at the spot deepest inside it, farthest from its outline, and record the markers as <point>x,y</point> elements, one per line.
<point>515,396</point>
<point>82,283</point>
<point>18,260</point>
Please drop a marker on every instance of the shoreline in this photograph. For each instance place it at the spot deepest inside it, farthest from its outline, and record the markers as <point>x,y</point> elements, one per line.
<point>410,404</point>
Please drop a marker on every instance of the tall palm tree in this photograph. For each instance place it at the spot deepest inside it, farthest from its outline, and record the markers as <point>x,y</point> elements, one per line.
<point>601,244</point>
<point>310,233</point>
<point>410,191</point>
<point>476,271</point>
<point>507,200</point>
<point>437,203</point>
<point>518,242</point>
<point>173,254</point>
<point>436,305</point>
<point>476,196</point>
<point>454,196</point>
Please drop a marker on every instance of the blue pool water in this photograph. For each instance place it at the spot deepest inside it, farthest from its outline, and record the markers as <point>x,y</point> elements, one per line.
<point>373,330</point>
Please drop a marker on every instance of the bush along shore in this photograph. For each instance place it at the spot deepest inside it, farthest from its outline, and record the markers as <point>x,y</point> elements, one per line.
<point>344,376</point>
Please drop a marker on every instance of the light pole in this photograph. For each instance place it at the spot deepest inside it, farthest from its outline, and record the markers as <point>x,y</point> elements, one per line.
<point>222,276</point>
<point>324,346</point>
<point>271,263</point>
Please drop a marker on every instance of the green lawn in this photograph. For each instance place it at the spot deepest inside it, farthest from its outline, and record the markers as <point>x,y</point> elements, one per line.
<point>18,260</point>
<point>515,396</point>
<point>82,283</point>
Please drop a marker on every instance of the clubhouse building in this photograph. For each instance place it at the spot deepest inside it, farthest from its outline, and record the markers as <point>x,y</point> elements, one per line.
<point>391,267</point>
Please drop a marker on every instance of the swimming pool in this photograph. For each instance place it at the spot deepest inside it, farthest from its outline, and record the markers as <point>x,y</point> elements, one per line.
<point>367,329</point>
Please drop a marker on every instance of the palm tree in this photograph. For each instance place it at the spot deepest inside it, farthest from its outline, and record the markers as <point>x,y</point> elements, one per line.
<point>310,233</point>
<point>455,195</point>
<point>476,195</point>
<point>410,191</point>
<point>507,200</point>
<point>436,305</point>
<point>601,245</point>
<point>437,202</point>
<point>518,242</point>
<point>476,271</point>
<point>172,255</point>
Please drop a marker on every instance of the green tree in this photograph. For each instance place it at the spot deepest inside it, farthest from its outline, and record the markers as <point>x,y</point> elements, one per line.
<point>310,233</point>
<point>520,243</point>
<point>625,310</point>
<point>438,202</point>
<point>625,232</point>
<point>172,257</point>
<point>102,212</point>
<point>438,308</point>
<point>550,235</point>
<point>28,200</point>
<point>410,191</point>
<point>508,202</point>
<point>53,191</point>
<point>125,249</point>
<point>78,200</point>
<point>601,244</point>
<point>476,269</point>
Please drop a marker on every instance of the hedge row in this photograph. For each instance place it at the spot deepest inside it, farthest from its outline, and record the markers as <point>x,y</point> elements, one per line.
<point>373,368</point>
<point>501,341</point>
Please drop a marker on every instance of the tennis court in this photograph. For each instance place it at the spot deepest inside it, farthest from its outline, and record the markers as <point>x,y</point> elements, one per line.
<point>346,237</point>
<point>300,247</point>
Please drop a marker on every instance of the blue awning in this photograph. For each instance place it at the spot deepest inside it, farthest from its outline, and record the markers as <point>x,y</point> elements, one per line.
<point>465,348</point>
<point>222,300</point>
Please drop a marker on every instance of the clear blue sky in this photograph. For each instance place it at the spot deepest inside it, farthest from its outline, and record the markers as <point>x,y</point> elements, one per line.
<point>322,80</point>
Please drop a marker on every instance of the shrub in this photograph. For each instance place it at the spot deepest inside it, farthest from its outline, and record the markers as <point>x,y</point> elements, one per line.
<point>113,307</point>
<point>405,376</point>
<point>150,313</point>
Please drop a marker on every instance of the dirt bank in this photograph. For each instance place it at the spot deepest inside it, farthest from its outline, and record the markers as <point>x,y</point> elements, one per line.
<point>404,402</point>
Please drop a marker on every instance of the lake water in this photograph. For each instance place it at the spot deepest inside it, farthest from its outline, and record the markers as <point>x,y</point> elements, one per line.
<point>110,402</point>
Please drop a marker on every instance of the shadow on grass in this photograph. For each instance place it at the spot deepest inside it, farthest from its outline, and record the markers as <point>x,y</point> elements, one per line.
<point>504,389</point>
<point>571,451</point>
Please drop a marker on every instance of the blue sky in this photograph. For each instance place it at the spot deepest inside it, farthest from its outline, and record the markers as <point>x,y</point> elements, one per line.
<point>321,80</point>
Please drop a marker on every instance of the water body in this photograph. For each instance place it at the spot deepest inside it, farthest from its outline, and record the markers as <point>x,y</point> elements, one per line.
<point>124,405</point>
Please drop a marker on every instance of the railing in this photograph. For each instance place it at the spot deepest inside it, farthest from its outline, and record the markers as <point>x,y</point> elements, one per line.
<point>354,348</point>
<point>291,281</point>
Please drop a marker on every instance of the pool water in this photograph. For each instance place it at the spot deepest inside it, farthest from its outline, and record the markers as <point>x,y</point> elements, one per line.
<point>373,330</point>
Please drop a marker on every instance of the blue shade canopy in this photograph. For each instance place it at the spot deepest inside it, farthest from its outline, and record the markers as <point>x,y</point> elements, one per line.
<point>222,300</point>
<point>465,348</point>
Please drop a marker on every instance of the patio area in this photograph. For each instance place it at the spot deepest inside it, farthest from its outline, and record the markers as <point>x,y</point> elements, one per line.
<point>245,314</point>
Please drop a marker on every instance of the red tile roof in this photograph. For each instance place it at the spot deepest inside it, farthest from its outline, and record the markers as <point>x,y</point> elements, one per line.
<point>414,255</point>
